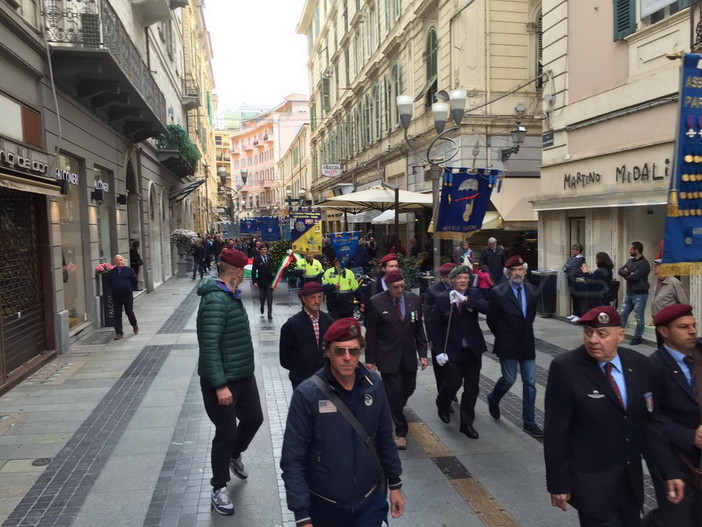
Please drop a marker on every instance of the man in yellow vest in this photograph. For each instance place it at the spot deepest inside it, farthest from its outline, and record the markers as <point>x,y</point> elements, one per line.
<point>311,268</point>
<point>339,284</point>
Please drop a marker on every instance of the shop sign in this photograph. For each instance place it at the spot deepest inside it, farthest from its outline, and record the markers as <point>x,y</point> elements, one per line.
<point>101,185</point>
<point>622,174</point>
<point>22,163</point>
<point>65,175</point>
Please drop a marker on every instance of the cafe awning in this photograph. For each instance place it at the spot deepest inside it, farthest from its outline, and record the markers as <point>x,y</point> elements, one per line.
<point>26,185</point>
<point>181,192</point>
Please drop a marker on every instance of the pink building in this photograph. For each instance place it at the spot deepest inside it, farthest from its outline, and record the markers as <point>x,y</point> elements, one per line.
<point>256,150</point>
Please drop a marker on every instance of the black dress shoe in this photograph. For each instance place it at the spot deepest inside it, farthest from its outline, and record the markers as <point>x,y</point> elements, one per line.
<point>493,408</point>
<point>451,410</point>
<point>444,416</point>
<point>636,341</point>
<point>469,431</point>
<point>270,317</point>
<point>534,431</point>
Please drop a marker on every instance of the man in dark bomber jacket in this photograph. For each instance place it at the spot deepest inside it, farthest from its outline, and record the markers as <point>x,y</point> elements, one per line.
<point>226,370</point>
<point>331,476</point>
<point>635,272</point>
<point>122,281</point>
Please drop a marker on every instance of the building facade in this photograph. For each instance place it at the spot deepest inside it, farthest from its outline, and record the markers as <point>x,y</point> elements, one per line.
<point>363,54</point>
<point>611,114</point>
<point>86,166</point>
<point>293,169</point>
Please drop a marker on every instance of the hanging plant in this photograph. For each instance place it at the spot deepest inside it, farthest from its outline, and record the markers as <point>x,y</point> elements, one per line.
<point>176,138</point>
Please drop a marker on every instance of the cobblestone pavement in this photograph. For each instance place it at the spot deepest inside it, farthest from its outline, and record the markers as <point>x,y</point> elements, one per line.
<point>115,433</point>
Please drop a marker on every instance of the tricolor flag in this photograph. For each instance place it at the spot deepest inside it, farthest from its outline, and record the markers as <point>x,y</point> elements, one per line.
<point>284,263</point>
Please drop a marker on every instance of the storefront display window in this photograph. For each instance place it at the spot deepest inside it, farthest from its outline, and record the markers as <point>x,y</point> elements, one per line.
<point>104,212</point>
<point>72,247</point>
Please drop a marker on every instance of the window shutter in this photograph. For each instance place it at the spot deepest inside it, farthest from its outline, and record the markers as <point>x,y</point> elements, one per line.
<point>624,18</point>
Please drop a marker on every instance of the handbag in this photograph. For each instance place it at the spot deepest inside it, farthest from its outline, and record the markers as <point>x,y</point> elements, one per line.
<point>355,424</point>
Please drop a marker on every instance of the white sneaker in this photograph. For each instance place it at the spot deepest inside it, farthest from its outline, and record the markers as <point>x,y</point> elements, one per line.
<point>221,502</point>
<point>574,319</point>
<point>570,317</point>
<point>237,468</point>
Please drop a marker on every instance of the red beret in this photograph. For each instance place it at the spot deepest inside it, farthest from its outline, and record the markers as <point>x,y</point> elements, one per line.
<point>343,329</point>
<point>310,288</point>
<point>388,257</point>
<point>233,257</point>
<point>515,261</point>
<point>446,268</point>
<point>666,315</point>
<point>601,317</point>
<point>392,277</point>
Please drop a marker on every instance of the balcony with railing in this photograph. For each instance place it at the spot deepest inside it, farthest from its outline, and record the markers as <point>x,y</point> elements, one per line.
<point>94,59</point>
<point>191,93</point>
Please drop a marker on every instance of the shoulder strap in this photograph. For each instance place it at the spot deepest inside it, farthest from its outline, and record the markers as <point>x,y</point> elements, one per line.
<point>354,422</point>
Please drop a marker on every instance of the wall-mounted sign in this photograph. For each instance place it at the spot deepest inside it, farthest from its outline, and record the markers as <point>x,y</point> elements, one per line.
<point>65,175</point>
<point>622,174</point>
<point>331,169</point>
<point>101,185</point>
<point>547,140</point>
<point>14,160</point>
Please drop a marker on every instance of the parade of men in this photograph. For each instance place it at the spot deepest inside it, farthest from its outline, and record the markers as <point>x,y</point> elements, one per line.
<point>599,423</point>
<point>459,346</point>
<point>396,342</point>
<point>510,317</point>
<point>429,297</point>
<point>677,391</point>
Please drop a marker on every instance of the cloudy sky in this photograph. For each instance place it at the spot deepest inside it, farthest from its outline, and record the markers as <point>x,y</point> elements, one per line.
<point>258,57</point>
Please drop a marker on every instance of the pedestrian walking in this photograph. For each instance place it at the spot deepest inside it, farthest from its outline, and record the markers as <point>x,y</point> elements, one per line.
<point>262,278</point>
<point>676,376</point>
<point>339,285</point>
<point>635,272</point>
<point>135,261</point>
<point>395,340</point>
<point>199,252</point>
<point>311,268</point>
<point>122,281</point>
<point>338,451</point>
<point>226,370</point>
<point>430,324</point>
<point>492,260</point>
<point>511,313</point>
<point>667,292</point>
<point>302,336</point>
<point>599,423</point>
<point>459,344</point>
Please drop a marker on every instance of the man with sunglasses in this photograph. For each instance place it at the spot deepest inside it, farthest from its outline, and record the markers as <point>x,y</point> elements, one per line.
<point>332,476</point>
<point>395,336</point>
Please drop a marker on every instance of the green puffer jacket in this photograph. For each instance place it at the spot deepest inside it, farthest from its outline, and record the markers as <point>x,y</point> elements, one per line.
<point>223,335</point>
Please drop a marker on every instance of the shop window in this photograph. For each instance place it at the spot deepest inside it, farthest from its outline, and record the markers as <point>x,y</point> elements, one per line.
<point>20,122</point>
<point>104,213</point>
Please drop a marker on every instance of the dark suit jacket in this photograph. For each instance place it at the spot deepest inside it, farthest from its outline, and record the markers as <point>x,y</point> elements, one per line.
<point>514,334</point>
<point>392,343</point>
<point>590,441</point>
<point>464,325</point>
<point>428,299</point>
<point>675,404</point>
<point>261,274</point>
<point>299,352</point>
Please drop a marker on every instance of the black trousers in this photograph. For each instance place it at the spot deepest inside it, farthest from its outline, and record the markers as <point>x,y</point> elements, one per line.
<point>399,387</point>
<point>620,509</point>
<point>235,425</point>
<point>126,302</point>
<point>468,374</point>
<point>687,513</point>
<point>439,373</point>
<point>265,295</point>
<point>371,513</point>
<point>340,305</point>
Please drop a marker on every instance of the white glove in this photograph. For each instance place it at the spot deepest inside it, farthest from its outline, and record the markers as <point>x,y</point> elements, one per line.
<point>456,298</point>
<point>442,359</point>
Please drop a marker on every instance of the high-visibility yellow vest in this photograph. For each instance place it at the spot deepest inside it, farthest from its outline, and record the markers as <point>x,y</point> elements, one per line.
<point>346,279</point>
<point>310,269</point>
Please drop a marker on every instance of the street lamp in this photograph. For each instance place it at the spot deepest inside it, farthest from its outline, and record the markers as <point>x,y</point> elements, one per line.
<point>441,110</point>
<point>518,135</point>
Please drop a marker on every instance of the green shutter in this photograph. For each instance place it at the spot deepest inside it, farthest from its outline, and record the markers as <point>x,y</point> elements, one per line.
<point>624,18</point>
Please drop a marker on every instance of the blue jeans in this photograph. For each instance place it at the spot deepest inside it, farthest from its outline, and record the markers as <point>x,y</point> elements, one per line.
<point>509,376</point>
<point>637,303</point>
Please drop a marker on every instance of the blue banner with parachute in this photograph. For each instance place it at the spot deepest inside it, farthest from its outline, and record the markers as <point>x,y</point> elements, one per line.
<point>344,245</point>
<point>269,228</point>
<point>465,198</point>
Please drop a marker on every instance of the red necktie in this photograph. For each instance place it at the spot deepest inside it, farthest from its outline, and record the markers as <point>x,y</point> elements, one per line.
<point>608,372</point>
<point>398,308</point>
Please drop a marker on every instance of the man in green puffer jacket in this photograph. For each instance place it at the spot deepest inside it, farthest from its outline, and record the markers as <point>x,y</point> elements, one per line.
<point>226,369</point>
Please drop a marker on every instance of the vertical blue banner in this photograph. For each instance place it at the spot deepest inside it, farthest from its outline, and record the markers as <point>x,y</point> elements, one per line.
<point>682,241</point>
<point>249,227</point>
<point>465,197</point>
<point>344,245</point>
<point>269,228</point>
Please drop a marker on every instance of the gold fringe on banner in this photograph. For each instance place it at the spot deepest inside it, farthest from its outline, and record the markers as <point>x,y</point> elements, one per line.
<point>680,269</point>
<point>673,211</point>
<point>455,236</point>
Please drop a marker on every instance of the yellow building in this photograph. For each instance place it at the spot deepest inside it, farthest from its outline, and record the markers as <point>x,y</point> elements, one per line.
<point>363,54</point>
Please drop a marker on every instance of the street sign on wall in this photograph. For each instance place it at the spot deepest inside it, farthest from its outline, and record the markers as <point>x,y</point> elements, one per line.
<point>331,169</point>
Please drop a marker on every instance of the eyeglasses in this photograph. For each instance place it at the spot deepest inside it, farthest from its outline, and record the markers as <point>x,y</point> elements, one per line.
<point>340,352</point>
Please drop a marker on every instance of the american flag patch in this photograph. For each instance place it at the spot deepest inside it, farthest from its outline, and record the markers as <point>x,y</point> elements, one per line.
<point>326,407</point>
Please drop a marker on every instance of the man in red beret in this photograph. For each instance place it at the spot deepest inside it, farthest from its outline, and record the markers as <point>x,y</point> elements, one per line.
<point>226,370</point>
<point>511,313</point>
<point>388,263</point>
<point>430,325</point>
<point>599,422</point>
<point>332,475</point>
<point>301,337</point>
<point>395,336</point>
<point>676,370</point>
